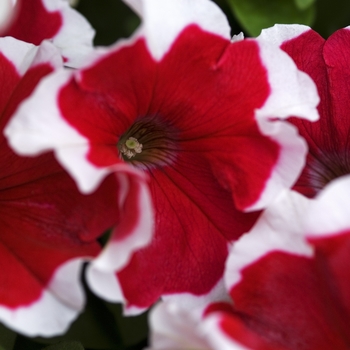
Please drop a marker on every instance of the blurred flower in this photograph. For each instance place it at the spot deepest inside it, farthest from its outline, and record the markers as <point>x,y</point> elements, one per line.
<point>37,20</point>
<point>48,229</point>
<point>287,279</point>
<point>6,13</point>
<point>327,62</point>
<point>200,115</point>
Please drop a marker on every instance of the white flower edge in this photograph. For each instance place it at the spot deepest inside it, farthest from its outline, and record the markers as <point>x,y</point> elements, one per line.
<point>197,303</point>
<point>280,33</point>
<point>116,254</point>
<point>293,94</point>
<point>280,228</point>
<point>48,131</point>
<point>75,37</point>
<point>216,337</point>
<point>290,162</point>
<point>24,56</point>
<point>163,21</point>
<point>329,214</point>
<point>174,327</point>
<point>58,306</point>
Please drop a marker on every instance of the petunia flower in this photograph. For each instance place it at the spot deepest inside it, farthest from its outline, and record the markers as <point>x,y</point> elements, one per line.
<point>295,298</point>
<point>288,280</point>
<point>37,20</point>
<point>48,228</point>
<point>201,115</point>
<point>326,61</point>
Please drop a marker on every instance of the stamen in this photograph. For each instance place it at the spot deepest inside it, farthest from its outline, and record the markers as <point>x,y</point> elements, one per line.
<point>131,147</point>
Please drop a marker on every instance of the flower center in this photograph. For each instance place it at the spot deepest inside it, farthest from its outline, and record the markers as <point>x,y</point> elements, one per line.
<point>149,142</point>
<point>130,148</point>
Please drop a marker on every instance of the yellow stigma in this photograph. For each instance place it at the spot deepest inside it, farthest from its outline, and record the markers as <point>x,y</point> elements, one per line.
<point>132,143</point>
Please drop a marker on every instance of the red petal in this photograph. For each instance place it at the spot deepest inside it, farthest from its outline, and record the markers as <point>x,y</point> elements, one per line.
<point>195,219</point>
<point>33,23</point>
<point>290,301</point>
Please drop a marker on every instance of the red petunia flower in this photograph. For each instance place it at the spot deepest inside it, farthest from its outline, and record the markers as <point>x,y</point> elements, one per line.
<point>294,294</point>
<point>36,20</point>
<point>288,280</point>
<point>197,112</point>
<point>48,228</point>
<point>326,61</point>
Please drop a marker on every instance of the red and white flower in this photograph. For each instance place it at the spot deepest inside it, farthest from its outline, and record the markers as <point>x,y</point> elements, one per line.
<point>36,20</point>
<point>294,294</point>
<point>48,228</point>
<point>288,280</point>
<point>326,61</point>
<point>199,114</point>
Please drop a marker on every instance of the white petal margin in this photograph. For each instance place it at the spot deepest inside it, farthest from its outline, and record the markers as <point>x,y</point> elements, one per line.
<point>293,94</point>
<point>291,161</point>
<point>101,273</point>
<point>59,305</point>
<point>23,55</point>
<point>280,33</point>
<point>280,228</point>
<point>75,37</point>
<point>216,337</point>
<point>174,327</point>
<point>199,303</point>
<point>163,21</point>
<point>116,253</point>
<point>20,54</point>
<point>37,126</point>
<point>329,215</point>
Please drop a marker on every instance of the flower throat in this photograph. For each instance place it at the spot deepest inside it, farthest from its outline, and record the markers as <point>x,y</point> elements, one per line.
<point>326,167</point>
<point>149,143</point>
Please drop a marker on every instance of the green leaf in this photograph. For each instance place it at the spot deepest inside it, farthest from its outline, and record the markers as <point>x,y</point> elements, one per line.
<point>71,345</point>
<point>304,4</point>
<point>255,15</point>
<point>7,338</point>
